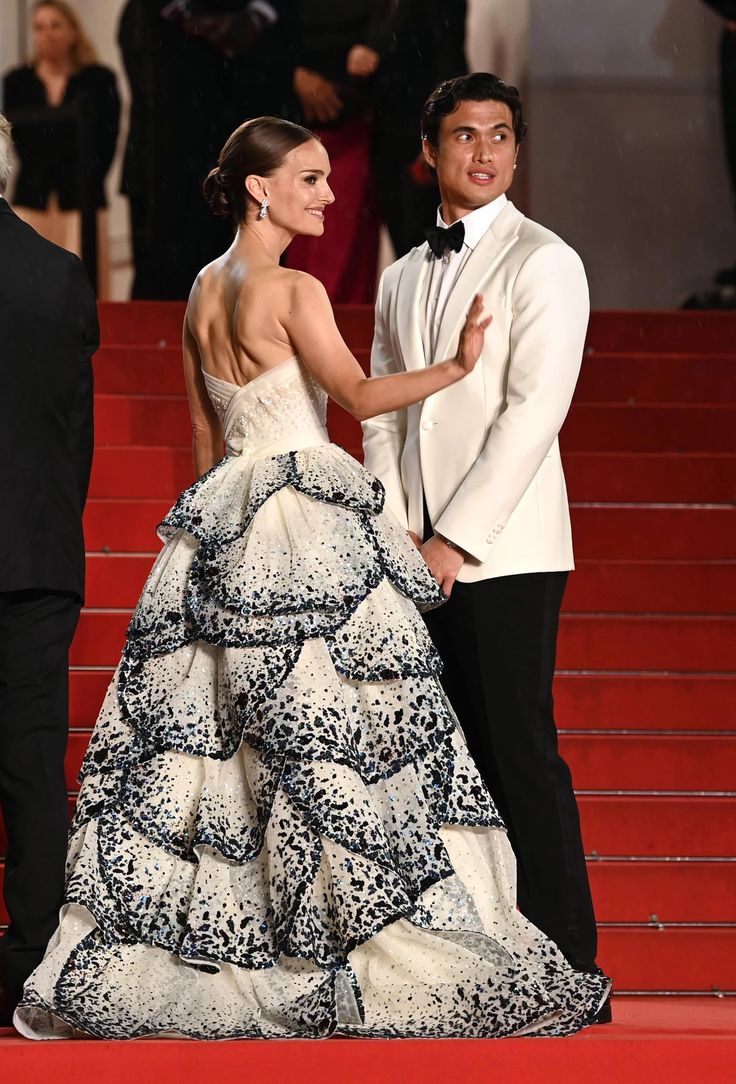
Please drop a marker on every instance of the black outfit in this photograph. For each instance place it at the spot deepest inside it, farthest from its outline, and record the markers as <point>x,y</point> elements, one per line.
<point>67,149</point>
<point>426,47</point>
<point>186,99</point>
<point>498,640</point>
<point>327,33</point>
<point>727,10</point>
<point>49,331</point>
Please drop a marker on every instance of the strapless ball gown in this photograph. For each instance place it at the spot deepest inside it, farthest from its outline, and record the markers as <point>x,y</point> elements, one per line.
<point>280,832</point>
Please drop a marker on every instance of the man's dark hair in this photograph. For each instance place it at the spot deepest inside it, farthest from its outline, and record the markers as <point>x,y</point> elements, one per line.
<point>476,87</point>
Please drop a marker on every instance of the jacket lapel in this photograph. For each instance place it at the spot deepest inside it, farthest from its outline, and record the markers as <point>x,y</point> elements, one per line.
<point>409,318</point>
<point>480,265</point>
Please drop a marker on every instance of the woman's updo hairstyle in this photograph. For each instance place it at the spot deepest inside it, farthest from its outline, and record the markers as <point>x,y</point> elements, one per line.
<point>257,147</point>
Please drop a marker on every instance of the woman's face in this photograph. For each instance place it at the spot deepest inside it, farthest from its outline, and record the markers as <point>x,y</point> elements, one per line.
<point>53,34</point>
<point>298,192</point>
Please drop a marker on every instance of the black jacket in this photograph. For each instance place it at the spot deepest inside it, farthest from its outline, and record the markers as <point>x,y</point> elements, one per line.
<point>48,334</point>
<point>63,147</point>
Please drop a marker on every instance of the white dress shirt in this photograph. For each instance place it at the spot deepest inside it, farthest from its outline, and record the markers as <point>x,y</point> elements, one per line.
<point>444,270</point>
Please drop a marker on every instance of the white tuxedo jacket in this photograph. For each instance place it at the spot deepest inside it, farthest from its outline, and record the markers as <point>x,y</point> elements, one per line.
<point>484,451</point>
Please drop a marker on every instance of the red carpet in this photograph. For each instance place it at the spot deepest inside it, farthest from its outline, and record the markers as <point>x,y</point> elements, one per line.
<point>646,688</point>
<point>678,1040</point>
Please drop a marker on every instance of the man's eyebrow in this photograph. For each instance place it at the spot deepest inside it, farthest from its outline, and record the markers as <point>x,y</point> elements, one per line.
<point>473,128</point>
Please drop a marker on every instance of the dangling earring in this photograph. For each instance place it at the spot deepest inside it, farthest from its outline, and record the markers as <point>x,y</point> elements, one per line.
<point>264,207</point>
<point>514,165</point>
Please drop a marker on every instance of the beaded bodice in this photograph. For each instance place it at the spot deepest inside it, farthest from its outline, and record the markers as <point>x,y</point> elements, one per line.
<point>281,410</point>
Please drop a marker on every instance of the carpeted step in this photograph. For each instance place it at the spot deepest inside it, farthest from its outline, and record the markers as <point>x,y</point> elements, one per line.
<point>665,762</point>
<point>679,1039</point>
<point>657,378</point>
<point>582,701</point>
<point>663,477</point>
<point>656,825</point>
<point>614,642</point>
<point>141,472</point>
<point>645,701</point>
<point>669,958</point>
<point>587,642</point>
<point>696,587</point>
<point>661,532</point>
<point>669,891</point>
<point>605,378</point>
<point>648,826</point>
<point>164,420</point>
<point>643,892</point>
<point>115,580</point>
<point>591,476</point>
<point>665,331</point>
<point>124,525</point>
<point>160,323</point>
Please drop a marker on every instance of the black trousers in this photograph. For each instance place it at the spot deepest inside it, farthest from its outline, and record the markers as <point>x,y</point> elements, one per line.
<point>498,640</point>
<point>36,629</point>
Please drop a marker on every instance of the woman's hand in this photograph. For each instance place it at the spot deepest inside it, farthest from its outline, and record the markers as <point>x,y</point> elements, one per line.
<point>362,61</point>
<point>318,96</point>
<point>471,336</point>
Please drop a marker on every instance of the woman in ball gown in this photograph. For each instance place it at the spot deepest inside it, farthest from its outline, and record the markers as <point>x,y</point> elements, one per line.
<point>280,832</point>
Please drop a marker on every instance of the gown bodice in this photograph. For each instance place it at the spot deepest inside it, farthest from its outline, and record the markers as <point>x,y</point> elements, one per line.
<point>281,410</point>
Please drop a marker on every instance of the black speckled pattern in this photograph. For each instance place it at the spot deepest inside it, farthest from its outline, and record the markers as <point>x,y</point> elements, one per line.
<point>280,831</point>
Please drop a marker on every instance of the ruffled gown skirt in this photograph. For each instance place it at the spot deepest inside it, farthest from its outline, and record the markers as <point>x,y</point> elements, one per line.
<point>280,832</point>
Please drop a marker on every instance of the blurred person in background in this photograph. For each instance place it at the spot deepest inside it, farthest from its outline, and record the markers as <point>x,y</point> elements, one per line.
<point>49,332</point>
<point>197,69</point>
<point>341,46</point>
<point>727,10</point>
<point>426,47</point>
<point>65,110</point>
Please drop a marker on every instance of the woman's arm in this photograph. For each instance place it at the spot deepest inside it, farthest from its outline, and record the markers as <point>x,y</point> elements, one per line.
<point>311,328</point>
<point>207,439</point>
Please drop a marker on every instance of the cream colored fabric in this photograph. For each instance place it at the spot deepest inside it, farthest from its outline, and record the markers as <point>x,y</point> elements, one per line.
<point>64,228</point>
<point>485,450</point>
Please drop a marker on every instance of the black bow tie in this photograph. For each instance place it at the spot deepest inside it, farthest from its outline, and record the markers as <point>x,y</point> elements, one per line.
<point>441,240</point>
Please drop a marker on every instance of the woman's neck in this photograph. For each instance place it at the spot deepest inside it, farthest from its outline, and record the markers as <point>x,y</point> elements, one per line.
<point>60,68</point>
<point>263,239</point>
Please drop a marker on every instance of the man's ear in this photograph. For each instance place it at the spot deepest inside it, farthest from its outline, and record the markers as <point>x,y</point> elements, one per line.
<point>430,153</point>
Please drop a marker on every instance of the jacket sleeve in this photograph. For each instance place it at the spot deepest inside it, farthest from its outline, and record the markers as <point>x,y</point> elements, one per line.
<point>550,317</point>
<point>103,111</point>
<point>81,422</point>
<point>725,8</point>
<point>384,435</point>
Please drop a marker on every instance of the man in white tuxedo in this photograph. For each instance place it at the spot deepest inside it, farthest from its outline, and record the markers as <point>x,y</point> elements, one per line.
<point>475,472</point>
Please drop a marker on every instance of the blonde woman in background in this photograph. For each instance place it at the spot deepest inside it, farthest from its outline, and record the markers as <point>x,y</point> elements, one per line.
<point>65,110</point>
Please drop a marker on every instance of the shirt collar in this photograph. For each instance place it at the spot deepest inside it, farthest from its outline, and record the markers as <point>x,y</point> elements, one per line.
<point>477,222</point>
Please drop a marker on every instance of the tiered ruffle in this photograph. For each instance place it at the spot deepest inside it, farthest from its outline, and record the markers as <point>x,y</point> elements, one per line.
<point>275,787</point>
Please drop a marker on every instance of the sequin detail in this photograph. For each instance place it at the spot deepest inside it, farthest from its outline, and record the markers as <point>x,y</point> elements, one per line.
<point>280,831</point>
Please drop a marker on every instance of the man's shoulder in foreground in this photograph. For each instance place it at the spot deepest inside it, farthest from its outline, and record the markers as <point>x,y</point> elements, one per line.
<point>533,235</point>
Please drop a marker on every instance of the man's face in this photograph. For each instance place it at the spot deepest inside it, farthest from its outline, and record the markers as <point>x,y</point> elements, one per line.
<point>475,155</point>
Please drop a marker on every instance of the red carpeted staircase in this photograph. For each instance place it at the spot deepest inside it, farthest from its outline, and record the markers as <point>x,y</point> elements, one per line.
<point>646,684</point>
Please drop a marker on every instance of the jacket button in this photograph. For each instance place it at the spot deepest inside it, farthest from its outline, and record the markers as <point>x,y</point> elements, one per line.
<point>427,425</point>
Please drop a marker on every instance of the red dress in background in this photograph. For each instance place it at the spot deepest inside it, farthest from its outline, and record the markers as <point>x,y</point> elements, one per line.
<point>345,258</point>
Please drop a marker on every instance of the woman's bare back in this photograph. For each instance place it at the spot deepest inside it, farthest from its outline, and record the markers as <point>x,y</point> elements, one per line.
<point>235,315</point>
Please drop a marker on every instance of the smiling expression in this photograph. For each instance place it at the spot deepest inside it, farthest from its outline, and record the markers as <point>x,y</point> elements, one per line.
<point>297,191</point>
<point>474,157</point>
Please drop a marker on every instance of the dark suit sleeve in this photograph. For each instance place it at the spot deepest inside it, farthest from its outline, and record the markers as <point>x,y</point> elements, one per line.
<point>725,8</point>
<point>103,112</point>
<point>81,422</point>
